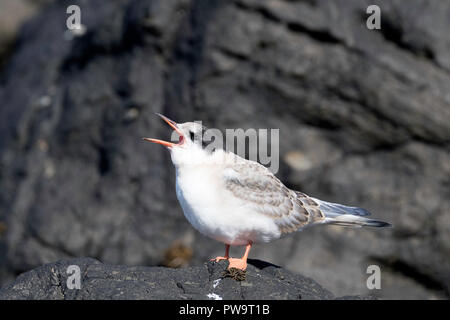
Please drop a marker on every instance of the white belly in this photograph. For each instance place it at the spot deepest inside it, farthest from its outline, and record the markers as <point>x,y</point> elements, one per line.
<point>212,210</point>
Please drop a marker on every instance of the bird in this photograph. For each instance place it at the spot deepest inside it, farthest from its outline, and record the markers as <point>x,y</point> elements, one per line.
<point>239,202</point>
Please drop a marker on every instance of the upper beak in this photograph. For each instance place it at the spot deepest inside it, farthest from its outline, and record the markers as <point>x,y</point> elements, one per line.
<point>174,126</point>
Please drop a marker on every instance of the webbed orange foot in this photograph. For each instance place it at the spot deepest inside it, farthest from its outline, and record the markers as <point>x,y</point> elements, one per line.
<point>227,254</point>
<point>237,263</point>
<point>217,259</point>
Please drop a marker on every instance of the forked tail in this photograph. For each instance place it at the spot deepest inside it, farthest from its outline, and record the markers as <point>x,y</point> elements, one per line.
<point>356,221</point>
<point>346,216</point>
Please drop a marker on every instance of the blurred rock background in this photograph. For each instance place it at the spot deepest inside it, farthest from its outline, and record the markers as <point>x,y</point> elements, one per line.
<point>364,119</point>
<point>12,14</point>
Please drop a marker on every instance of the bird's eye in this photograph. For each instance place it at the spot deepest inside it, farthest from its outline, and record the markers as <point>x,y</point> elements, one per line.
<point>191,135</point>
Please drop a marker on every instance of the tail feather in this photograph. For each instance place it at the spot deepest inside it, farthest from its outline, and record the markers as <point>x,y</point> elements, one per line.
<point>356,221</point>
<point>335,209</point>
<point>346,216</point>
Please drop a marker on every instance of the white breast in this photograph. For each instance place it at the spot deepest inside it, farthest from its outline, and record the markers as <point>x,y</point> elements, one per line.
<point>215,212</point>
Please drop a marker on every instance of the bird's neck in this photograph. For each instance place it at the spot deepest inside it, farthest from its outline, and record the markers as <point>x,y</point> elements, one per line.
<point>182,157</point>
<point>196,156</point>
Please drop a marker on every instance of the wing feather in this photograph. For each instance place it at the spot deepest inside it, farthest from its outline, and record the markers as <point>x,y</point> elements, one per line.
<point>267,195</point>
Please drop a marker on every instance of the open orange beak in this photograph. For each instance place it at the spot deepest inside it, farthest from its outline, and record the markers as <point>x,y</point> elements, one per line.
<point>174,126</point>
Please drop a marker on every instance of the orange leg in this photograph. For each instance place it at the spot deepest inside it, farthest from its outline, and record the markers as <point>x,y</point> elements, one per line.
<point>242,262</point>
<point>227,254</point>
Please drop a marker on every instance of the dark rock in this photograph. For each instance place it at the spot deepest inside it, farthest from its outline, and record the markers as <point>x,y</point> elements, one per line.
<point>363,117</point>
<point>13,13</point>
<point>103,281</point>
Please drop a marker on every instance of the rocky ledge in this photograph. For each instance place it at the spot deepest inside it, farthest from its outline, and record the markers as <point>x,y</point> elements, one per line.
<point>103,281</point>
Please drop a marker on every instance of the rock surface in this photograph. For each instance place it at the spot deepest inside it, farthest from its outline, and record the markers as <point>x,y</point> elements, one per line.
<point>103,281</point>
<point>13,13</point>
<point>363,116</point>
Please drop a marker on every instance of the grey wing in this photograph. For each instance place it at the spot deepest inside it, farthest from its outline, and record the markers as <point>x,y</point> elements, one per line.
<point>335,209</point>
<point>260,189</point>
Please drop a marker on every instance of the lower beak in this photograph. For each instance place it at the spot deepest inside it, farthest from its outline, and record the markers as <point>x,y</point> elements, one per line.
<point>174,126</point>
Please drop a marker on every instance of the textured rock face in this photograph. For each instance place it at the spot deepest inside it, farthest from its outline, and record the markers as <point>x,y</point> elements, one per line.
<point>12,14</point>
<point>363,117</point>
<point>102,281</point>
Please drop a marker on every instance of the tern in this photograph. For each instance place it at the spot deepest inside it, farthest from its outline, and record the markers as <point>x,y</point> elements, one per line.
<point>240,202</point>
